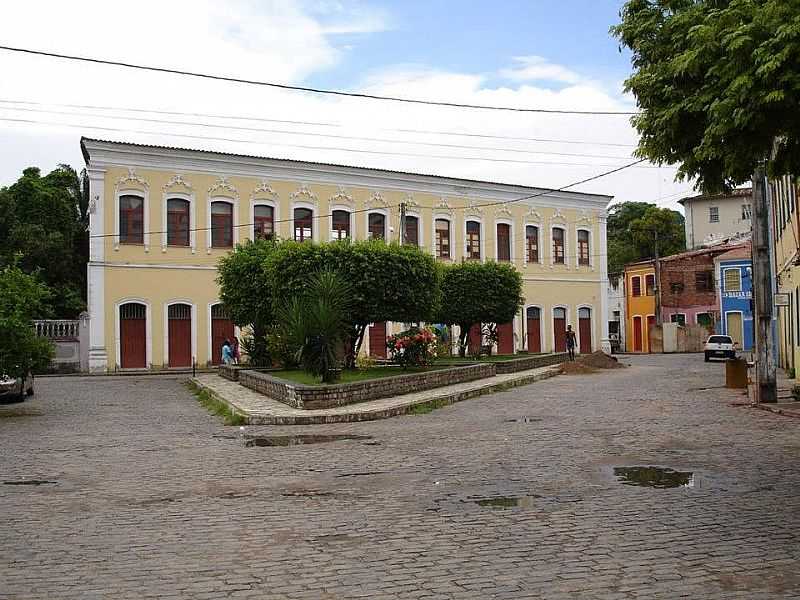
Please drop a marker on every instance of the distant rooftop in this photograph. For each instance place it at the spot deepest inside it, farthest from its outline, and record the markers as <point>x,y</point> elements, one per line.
<point>737,193</point>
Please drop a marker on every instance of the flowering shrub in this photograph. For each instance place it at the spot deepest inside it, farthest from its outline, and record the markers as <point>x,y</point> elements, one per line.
<point>413,348</point>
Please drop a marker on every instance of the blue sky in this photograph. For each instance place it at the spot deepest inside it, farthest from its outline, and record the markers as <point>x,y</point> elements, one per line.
<point>481,37</point>
<point>535,53</point>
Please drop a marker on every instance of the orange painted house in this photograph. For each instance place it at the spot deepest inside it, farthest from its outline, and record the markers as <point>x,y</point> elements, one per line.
<point>640,305</point>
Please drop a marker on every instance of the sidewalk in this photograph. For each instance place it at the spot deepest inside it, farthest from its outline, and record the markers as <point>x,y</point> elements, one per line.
<point>259,409</point>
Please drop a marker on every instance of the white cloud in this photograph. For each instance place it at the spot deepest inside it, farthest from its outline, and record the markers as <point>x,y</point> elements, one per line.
<point>538,68</point>
<point>286,41</point>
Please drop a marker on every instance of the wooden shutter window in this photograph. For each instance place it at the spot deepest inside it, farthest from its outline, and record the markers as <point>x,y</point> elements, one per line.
<point>503,241</point>
<point>558,246</point>
<point>177,222</point>
<point>131,219</point>
<point>221,224</point>
<point>263,222</point>
<point>532,243</point>
<point>443,239</point>
<point>473,240</point>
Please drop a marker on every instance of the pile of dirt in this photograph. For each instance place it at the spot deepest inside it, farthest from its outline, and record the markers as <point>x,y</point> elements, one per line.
<point>576,368</point>
<point>601,360</point>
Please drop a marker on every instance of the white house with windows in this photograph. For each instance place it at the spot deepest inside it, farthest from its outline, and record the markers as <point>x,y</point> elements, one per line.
<point>712,219</point>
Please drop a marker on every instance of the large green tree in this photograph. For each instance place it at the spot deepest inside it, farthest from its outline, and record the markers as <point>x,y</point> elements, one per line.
<point>387,282</point>
<point>43,229</point>
<point>475,292</point>
<point>22,299</point>
<point>718,85</point>
<point>630,233</point>
<point>247,293</point>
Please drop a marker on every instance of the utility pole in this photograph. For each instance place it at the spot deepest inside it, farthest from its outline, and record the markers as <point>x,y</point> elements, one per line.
<point>658,280</point>
<point>766,389</point>
<point>402,223</point>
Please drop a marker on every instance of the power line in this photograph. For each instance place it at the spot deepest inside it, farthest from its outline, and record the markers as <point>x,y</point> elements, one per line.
<point>297,88</point>
<point>313,134</point>
<point>311,147</point>
<point>319,123</point>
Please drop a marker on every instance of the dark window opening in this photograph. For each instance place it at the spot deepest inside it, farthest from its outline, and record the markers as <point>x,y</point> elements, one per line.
<point>264,222</point>
<point>221,224</point>
<point>131,219</point>
<point>303,224</point>
<point>177,222</point>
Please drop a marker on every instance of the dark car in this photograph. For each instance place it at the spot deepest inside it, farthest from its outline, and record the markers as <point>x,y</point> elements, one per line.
<point>15,387</point>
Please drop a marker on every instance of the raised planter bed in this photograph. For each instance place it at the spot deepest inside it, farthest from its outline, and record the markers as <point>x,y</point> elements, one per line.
<point>330,396</point>
<point>530,362</point>
<point>231,372</point>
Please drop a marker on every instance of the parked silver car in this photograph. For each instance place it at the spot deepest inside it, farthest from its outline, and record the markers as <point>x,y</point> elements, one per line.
<point>15,387</point>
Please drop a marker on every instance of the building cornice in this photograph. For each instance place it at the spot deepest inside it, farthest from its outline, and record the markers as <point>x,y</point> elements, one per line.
<point>103,154</point>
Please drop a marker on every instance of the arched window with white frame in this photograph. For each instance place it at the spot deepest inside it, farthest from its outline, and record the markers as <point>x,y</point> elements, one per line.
<point>131,218</point>
<point>503,241</point>
<point>340,224</point>
<point>532,243</point>
<point>221,224</point>
<point>303,224</point>
<point>263,221</point>
<point>376,226</point>
<point>584,247</point>
<point>442,238</point>
<point>559,238</point>
<point>472,229</point>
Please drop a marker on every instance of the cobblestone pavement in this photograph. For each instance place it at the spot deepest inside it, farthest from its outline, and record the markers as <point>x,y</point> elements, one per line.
<point>154,498</point>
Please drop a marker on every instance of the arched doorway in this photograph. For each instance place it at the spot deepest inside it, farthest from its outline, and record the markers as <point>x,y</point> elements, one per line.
<point>637,334</point>
<point>221,330</point>
<point>133,335</point>
<point>560,329</point>
<point>585,330</point>
<point>534,318</point>
<point>179,332</point>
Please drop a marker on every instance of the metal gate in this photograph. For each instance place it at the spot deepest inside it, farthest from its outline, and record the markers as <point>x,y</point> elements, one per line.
<point>221,330</point>
<point>133,335</point>
<point>180,335</point>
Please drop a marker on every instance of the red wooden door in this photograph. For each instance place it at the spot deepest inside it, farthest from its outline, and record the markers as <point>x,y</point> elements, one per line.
<point>474,340</point>
<point>637,334</point>
<point>133,336</point>
<point>505,338</point>
<point>585,333</point>
<point>560,329</point>
<point>651,321</point>
<point>180,335</point>
<point>377,340</point>
<point>221,330</point>
<point>534,330</point>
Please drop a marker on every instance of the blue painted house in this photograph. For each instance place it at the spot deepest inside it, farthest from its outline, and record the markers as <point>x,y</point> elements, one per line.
<point>735,276</point>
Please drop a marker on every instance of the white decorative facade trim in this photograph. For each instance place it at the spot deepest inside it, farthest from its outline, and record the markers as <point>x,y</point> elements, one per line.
<point>342,198</point>
<point>473,209</point>
<point>304,194</point>
<point>376,200</point>
<point>177,180</point>
<point>533,215</point>
<point>223,187</point>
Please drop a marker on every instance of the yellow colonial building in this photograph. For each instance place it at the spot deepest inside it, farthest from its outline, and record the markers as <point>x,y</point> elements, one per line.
<point>640,308</point>
<point>160,219</point>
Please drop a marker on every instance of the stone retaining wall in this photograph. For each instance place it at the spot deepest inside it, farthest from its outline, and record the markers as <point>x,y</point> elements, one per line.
<point>330,396</point>
<point>530,362</point>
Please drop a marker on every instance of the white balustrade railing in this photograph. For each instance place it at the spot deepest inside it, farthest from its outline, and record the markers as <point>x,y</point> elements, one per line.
<point>57,329</point>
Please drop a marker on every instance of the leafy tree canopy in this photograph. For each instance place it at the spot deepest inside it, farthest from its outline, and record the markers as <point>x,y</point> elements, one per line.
<point>22,298</point>
<point>246,292</point>
<point>717,84</point>
<point>43,229</point>
<point>475,292</point>
<point>630,233</point>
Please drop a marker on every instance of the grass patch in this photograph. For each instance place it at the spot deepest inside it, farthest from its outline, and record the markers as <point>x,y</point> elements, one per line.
<point>348,376</point>
<point>428,407</point>
<point>216,407</point>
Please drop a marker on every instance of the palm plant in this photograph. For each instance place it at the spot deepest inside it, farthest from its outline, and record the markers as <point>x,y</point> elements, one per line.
<point>316,322</point>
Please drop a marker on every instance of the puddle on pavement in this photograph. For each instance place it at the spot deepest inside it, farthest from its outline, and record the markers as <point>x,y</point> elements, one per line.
<point>654,477</point>
<point>524,420</point>
<point>299,440</point>
<point>30,482</point>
